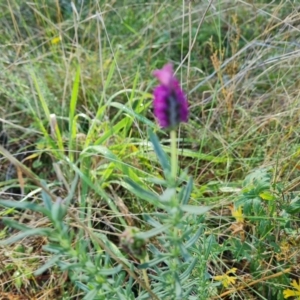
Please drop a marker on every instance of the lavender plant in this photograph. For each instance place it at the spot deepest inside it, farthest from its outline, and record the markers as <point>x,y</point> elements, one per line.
<point>168,252</point>
<point>174,226</point>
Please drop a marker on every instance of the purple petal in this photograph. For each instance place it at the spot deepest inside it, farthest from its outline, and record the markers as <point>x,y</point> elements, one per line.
<point>170,103</point>
<point>165,75</point>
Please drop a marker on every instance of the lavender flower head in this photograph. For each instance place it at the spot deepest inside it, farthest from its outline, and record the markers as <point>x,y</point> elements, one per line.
<point>170,103</point>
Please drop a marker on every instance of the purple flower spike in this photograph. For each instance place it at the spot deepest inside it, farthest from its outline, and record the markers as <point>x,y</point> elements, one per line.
<point>170,103</point>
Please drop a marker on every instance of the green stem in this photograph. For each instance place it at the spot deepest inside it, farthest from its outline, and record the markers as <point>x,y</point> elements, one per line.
<point>145,275</point>
<point>173,155</point>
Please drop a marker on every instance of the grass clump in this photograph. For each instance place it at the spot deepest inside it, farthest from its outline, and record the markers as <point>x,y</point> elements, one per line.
<point>89,207</point>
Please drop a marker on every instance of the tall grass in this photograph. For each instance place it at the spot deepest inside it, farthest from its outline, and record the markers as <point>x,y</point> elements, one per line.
<point>83,207</point>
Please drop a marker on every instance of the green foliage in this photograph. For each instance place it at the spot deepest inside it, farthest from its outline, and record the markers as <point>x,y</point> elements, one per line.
<point>88,199</point>
<point>99,277</point>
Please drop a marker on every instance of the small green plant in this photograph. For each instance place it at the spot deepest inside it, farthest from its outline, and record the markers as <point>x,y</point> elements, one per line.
<point>263,233</point>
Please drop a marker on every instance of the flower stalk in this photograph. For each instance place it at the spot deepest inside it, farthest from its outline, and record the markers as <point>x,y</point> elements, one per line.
<point>174,160</point>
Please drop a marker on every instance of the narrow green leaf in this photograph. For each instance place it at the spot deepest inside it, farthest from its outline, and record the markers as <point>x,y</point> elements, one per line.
<point>129,120</point>
<point>108,133</point>
<point>161,155</point>
<point>194,238</point>
<point>40,95</point>
<point>133,114</point>
<point>53,248</point>
<point>153,232</point>
<point>200,156</point>
<point>90,295</point>
<point>84,288</point>
<point>111,72</point>
<point>142,193</point>
<point>153,262</point>
<point>112,271</point>
<point>178,288</point>
<point>185,193</point>
<point>72,191</point>
<point>94,125</point>
<point>14,224</point>
<point>47,113</point>
<point>58,211</point>
<point>210,243</point>
<point>167,195</point>
<point>196,210</point>
<point>184,253</point>
<point>152,221</point>
<point>50,263</point>
<point>46,198</point>
<point>25,205</point>
<point>22,235</point>
<point>122,297</point>
<point>101,150</point>
<point>185,275</point>
<point>72,111</point>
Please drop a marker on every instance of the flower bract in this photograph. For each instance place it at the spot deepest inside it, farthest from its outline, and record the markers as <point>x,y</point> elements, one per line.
<point>170,103</point>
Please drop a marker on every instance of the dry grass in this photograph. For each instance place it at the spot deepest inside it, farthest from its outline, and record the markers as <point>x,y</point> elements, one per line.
<point>240,68</point>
